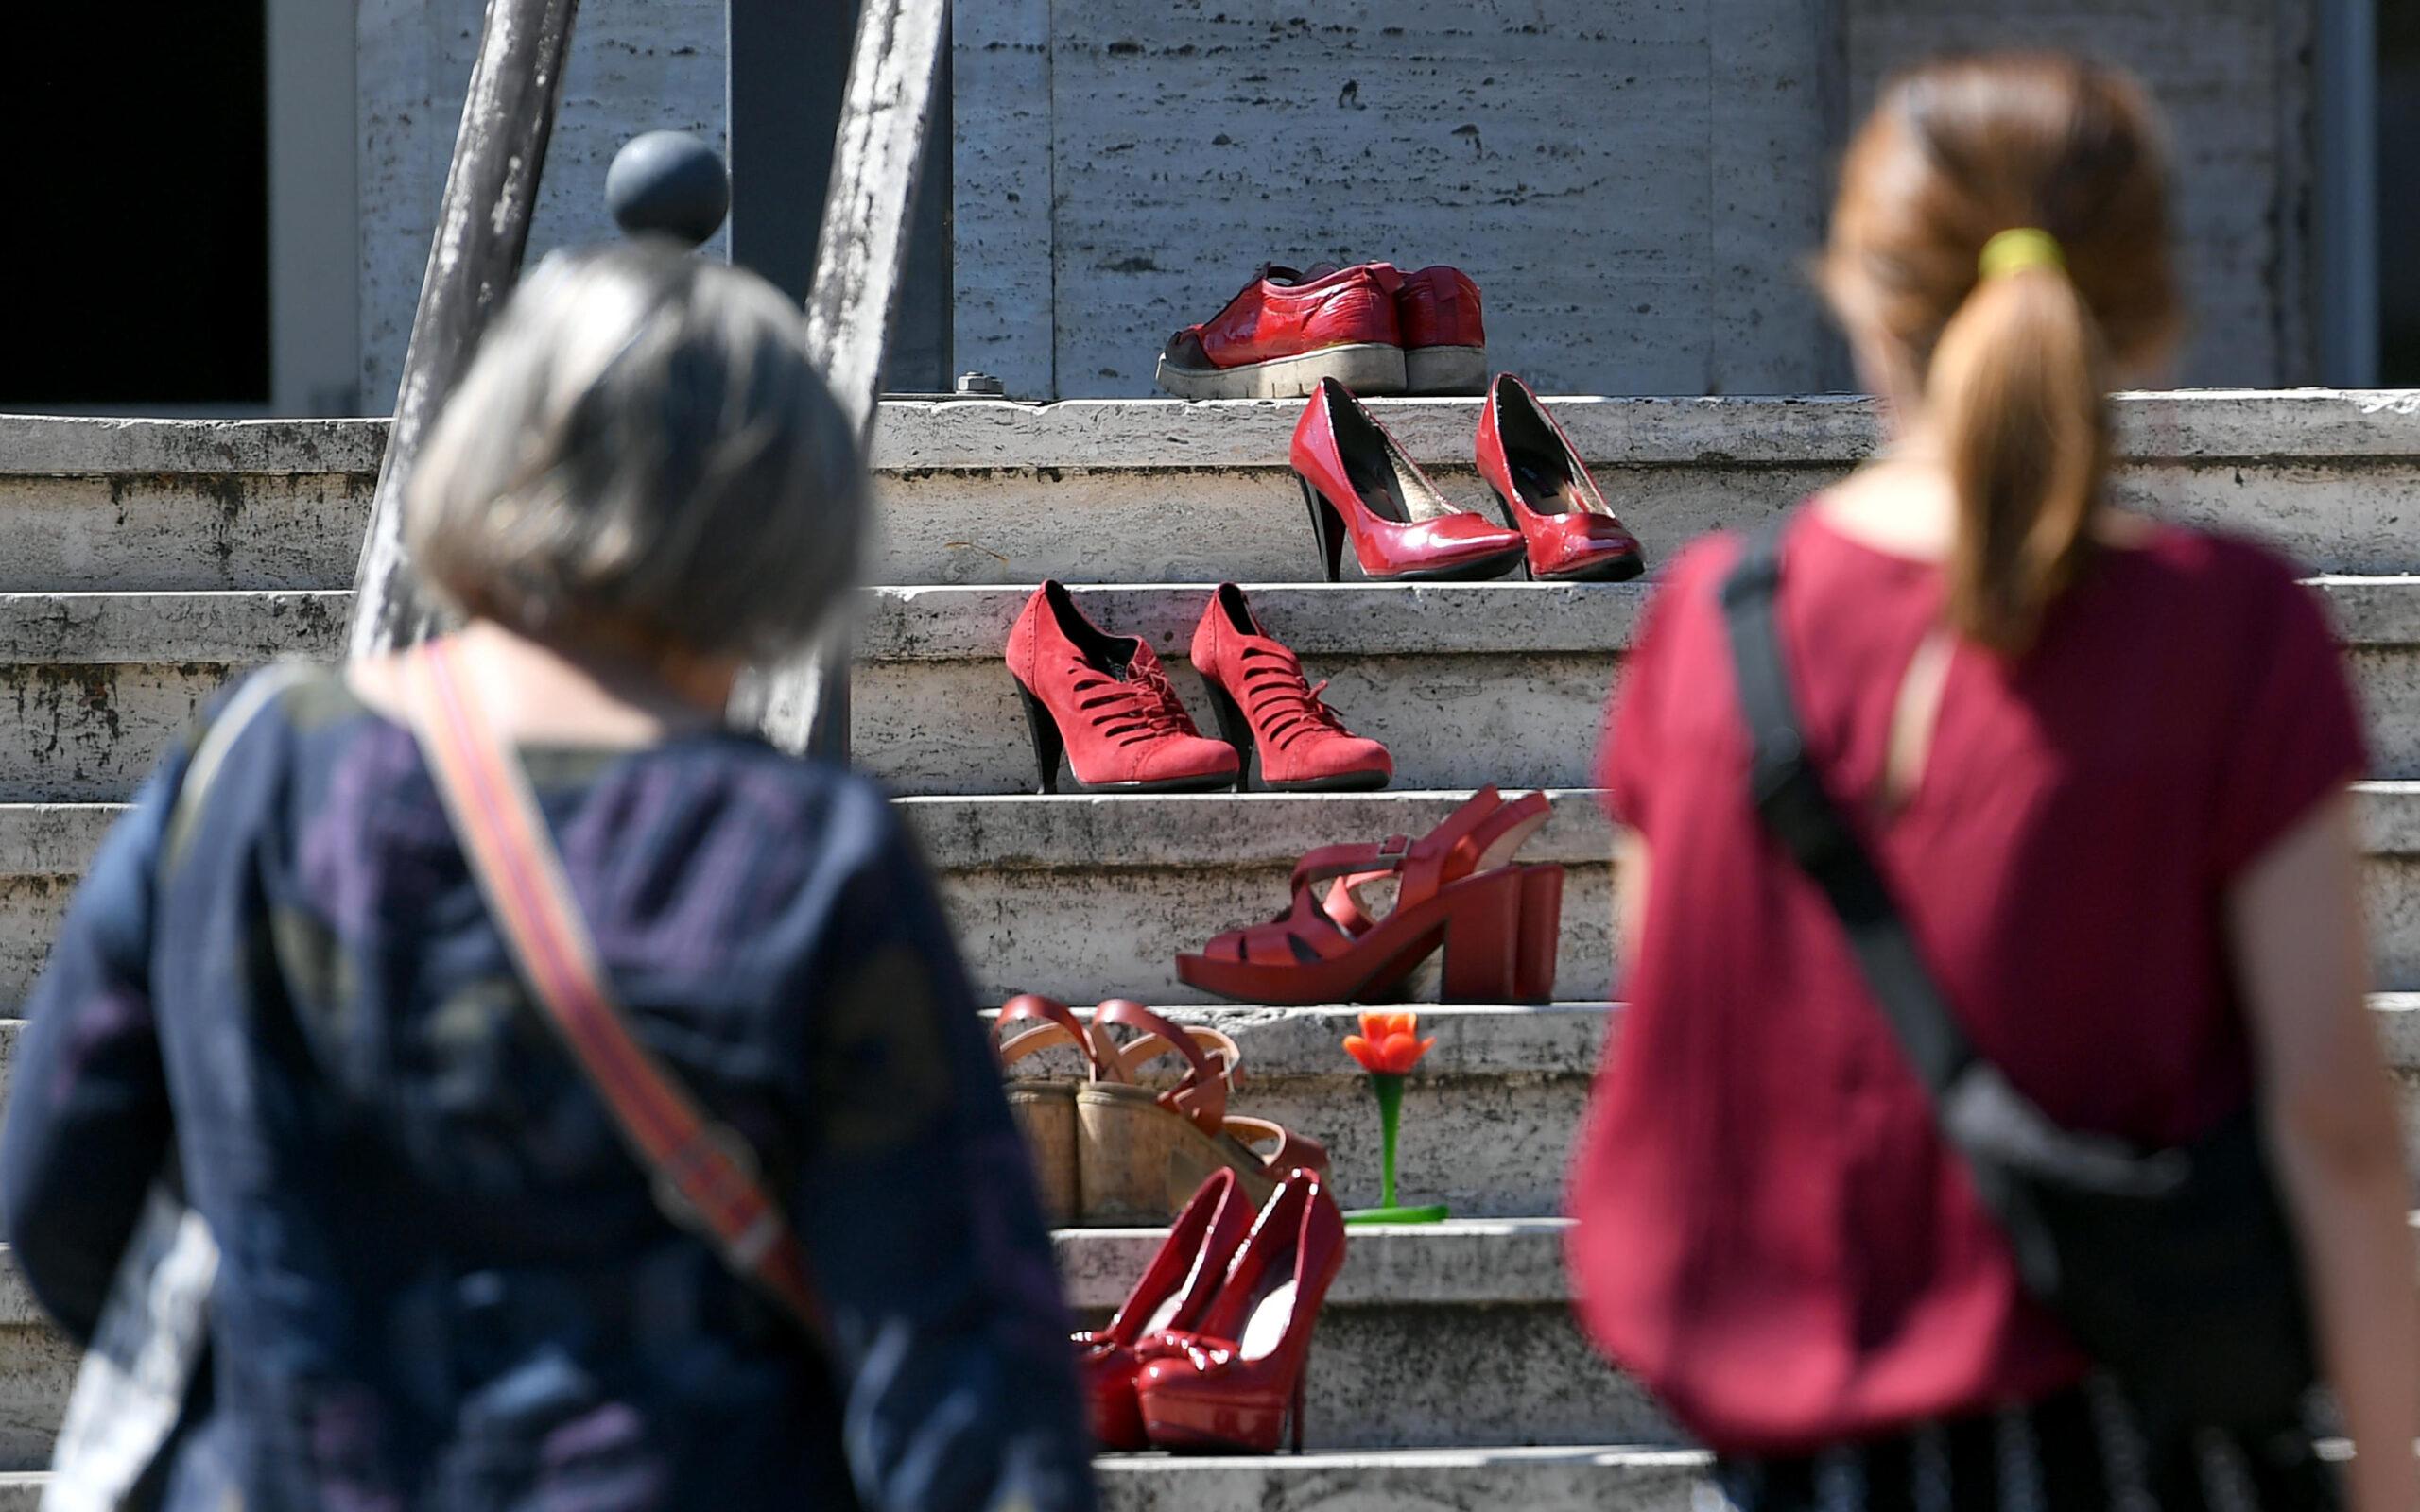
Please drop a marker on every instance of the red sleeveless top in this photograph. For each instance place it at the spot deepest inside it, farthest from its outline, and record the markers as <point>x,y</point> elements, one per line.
<point>1770,1234</point>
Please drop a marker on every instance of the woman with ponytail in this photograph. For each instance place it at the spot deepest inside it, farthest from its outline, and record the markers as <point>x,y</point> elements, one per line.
<point>2101,764</point>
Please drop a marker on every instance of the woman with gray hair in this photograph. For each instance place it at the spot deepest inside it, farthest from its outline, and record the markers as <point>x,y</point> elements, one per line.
<point>443,1281</point>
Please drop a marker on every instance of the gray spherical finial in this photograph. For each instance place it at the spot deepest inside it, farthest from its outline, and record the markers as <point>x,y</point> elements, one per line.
<point>667,183</point>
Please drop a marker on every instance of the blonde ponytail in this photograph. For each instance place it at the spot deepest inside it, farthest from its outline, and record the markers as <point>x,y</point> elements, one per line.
<point>2016,388</point>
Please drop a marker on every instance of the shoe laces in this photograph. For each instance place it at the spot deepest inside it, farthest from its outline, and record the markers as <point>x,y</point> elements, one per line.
<point>1142,706</point>
<point>1281,704</point>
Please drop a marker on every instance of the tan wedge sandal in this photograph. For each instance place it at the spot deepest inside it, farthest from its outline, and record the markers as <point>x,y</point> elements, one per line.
<point>1045,1111</point>
<point>1141,1154</point>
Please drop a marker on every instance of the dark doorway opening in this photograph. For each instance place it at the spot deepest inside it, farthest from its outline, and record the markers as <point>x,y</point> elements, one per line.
<point>2398,169</point>
<point>135,267</point>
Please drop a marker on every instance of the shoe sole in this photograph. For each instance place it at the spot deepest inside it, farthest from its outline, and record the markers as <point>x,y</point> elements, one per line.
<point>1478,570</point>
<point>1217,782</point>
<point>1366,368</point>
<point>1444,369</point>
<point>1341,782</point>
<point>1620,570</point>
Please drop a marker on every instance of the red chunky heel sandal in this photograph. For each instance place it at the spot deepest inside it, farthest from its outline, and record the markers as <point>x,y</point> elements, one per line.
<point>1456,893</point>
<point>1102,701</point>
<point>1262,700</point>
<point>1234,1384</point>
<point>1358,482</point>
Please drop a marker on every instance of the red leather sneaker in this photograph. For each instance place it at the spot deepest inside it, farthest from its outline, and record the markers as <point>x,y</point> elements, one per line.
<point>1104,701</point>
<point>1256,685</point>
<point>1543,487</point>
<point>1285,331</point>
<point>1360,484</point>
<point>1444,346</point>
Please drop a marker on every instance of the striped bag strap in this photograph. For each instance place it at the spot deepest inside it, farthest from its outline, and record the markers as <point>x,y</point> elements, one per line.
<point>705,1174</point>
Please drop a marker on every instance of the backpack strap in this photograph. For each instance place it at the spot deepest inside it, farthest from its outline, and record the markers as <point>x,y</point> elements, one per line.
<point>706,1175</point>
<point>1979,1112</point>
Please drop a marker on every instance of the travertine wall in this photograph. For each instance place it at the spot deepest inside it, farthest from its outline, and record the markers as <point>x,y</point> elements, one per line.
<point>636,65</point>
<point>1632,183</point>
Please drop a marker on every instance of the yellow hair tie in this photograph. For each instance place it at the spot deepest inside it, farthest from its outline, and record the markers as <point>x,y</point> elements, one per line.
<point>2020,247</point>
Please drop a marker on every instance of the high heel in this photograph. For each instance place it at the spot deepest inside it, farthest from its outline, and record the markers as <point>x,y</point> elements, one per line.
<point>1545,490</point>
<point>1231,1383</point>
<point>1401,526</point>
<point>1103,702</point>
<point>1257,688</point>
<point>1328,529</point>
<point>1457,892</point>
<point>1047,746</point>
<point>1174,1291</point>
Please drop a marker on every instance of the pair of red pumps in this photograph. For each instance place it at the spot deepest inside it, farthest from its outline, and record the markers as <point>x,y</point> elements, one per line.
<point>1371,327</point>
<point>1103,702</point>
<point>1207,1355</point>
<point>1458,894</point>
<point>1362,486</point>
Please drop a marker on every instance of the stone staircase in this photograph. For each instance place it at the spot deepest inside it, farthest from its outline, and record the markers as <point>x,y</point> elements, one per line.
<point>143,562</point>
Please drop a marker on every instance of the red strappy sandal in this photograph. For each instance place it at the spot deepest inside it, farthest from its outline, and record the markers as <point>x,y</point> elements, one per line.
<point>1140,1155</point>
<point>1457,891</point>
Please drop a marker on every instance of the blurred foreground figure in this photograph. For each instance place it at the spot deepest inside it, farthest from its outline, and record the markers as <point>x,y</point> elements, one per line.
<point>444,1280</point>
<point>2101,763</point>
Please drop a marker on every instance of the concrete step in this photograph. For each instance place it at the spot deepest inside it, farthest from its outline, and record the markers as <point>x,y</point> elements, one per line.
<point>1593,1479</point>
<point>1491,1112</point>
<point>1466,683</point>
<point>1092,897</point>
<point>1487,1296</point>
<point>1155,490</point>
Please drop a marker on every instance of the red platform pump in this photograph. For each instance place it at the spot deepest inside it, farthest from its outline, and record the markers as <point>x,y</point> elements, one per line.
<point>1457,891</point>
<point>1359,483</point>
<point>1176,1289</point>
<point>1544,487</point>
<point>1232,1383</point>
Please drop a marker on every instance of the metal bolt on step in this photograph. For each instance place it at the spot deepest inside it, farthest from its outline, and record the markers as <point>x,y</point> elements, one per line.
<point>980,386</point>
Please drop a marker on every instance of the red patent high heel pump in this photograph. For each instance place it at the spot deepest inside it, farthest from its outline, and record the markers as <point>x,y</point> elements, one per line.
<point>1234,1381</point>
<point>1544,487</point>
<point>1457,891</point>
<point>1175,1290</point>
<point>1360,484</point>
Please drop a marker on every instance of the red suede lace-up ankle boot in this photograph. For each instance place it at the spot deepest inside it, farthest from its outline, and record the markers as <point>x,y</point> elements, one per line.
<point>1257,687</point>
<point>1104,701</point>
<point>1544,487</point>
<point>1359,484</point>
<point>1445,345</point>
<point>1285,331</point>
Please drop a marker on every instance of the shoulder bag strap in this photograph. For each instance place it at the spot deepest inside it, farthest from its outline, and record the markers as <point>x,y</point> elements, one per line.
<point>1977,1109</point>
<point>706,1175</point>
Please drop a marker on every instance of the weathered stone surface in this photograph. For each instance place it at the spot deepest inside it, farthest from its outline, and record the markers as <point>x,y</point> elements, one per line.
<point>135,532</point>
<point>635,64</point>
<point>1560,1479</point>
<point>1530,1480</point>
<point>2234,83</point>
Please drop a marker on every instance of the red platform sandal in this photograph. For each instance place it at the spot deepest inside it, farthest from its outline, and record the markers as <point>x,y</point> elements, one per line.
<point>1455,890</point>
<point>1234,1384</point>
<point>1544,487</point>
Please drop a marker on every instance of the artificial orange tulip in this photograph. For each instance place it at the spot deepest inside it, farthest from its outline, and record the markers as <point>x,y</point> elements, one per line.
<point>1389,1043</point>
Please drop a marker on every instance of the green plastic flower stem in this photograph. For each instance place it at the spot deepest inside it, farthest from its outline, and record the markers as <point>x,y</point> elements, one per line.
<point>1389,1089</point>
